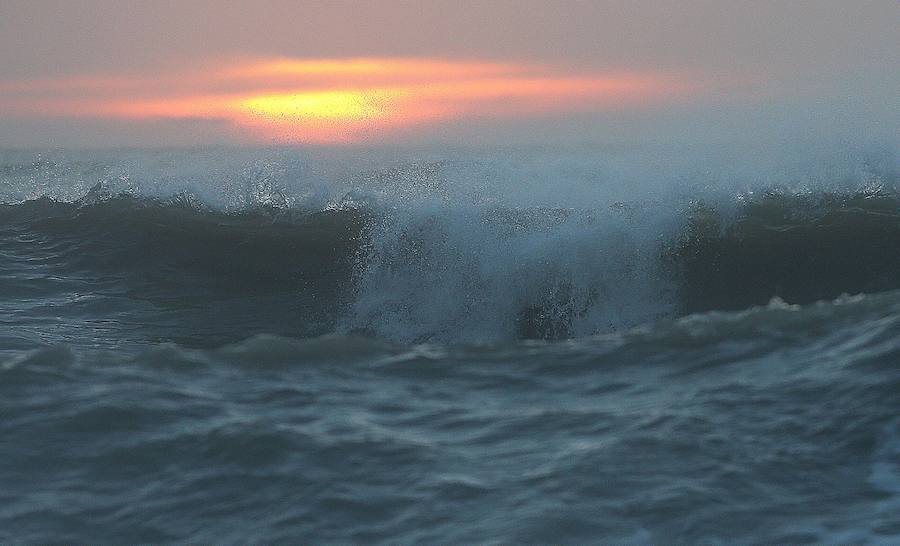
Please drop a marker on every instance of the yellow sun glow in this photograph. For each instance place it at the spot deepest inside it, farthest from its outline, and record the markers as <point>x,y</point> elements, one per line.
<point>342,100</point>
<point>325,105</point>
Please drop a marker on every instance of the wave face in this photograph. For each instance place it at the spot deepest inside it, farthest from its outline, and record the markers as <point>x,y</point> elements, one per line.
<point>501,346</point>
<point>173,273</point>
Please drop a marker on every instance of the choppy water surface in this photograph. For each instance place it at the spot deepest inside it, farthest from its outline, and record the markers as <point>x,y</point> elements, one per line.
<point>243,346</point>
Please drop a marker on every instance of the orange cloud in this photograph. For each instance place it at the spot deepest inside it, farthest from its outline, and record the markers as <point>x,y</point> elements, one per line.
<point>339,100</point>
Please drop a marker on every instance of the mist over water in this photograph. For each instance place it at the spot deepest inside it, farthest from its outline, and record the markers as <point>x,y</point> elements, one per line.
<point>634,344</point>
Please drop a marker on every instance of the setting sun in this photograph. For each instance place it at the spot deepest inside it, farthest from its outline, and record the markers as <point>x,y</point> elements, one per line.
<point>330,105</point>
<point>346,100</point>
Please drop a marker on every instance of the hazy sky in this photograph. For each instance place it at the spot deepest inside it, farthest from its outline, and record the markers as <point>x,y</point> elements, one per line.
<point>81,73</point>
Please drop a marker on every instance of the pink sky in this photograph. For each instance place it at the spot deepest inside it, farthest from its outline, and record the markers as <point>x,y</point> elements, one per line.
<point>203,71</point>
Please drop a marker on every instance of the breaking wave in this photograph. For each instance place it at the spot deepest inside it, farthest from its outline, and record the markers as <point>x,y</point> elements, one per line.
<point>436,250</point>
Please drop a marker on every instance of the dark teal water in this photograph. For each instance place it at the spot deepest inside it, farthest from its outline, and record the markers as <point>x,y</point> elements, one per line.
<point>393,370</point>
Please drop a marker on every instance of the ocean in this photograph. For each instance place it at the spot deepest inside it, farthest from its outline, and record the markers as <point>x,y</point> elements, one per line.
<point>449,346</point>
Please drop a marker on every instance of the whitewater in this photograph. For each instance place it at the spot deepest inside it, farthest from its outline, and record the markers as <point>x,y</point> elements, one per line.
<point>493,345</point>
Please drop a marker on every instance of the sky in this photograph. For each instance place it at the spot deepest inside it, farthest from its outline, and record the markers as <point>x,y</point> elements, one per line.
<point>96,73</point>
